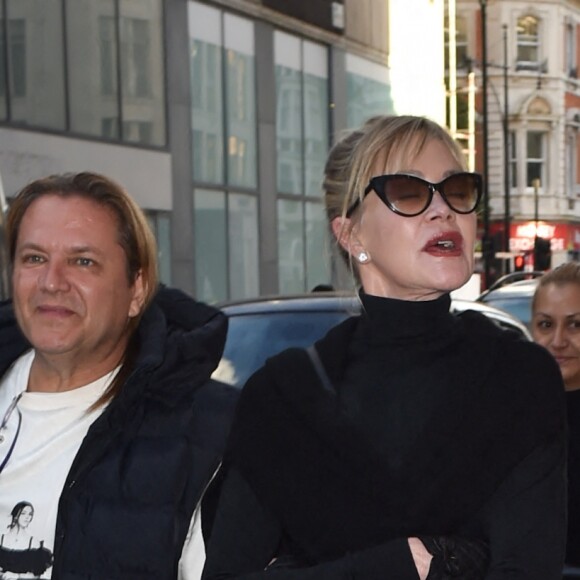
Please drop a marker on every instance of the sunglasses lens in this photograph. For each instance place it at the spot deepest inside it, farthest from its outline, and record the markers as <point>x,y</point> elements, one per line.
<point>406,194</point>
<point>461,192</point>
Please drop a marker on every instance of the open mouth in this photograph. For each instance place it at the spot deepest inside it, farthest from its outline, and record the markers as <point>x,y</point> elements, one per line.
<point>445,244</point>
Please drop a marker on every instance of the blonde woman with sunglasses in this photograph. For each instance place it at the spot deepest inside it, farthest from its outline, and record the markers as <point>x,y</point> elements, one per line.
<point>407,443</point>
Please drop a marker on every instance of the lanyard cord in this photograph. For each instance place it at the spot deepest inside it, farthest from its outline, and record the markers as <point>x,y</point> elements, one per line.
<point>9,454</point>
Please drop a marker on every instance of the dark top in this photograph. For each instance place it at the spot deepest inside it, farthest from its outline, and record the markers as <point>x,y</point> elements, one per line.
<point>573,544</point>
<point>439,425</point>
<point>140,472</point>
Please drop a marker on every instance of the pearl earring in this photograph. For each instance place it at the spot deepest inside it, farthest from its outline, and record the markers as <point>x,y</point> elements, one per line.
<point>363,258</point>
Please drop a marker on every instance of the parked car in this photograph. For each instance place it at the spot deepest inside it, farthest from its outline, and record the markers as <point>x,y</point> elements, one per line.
<point>262,327</point>
<point>513,294</point>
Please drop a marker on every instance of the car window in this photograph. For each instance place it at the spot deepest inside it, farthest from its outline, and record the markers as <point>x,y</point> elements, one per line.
<point>519,307</point>
<point>252,338</point>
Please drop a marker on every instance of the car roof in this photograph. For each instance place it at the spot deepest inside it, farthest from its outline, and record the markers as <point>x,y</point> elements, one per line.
<point>315,301</point>
<point>514,289</point>
<point>349,302</point>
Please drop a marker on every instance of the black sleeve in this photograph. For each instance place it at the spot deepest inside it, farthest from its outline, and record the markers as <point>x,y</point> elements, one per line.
<point>246,537</point>
<point>526,518</point>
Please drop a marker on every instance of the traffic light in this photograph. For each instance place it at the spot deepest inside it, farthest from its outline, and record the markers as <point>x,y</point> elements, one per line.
<point>542,254</point>
<point>519,263</point>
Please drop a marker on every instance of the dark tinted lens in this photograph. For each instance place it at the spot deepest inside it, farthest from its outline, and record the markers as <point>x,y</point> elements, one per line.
<point>461,192</point>
<point>407,194</point>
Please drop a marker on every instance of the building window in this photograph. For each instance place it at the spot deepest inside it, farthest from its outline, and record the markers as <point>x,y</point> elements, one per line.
<point>223,97</point>
<point>368,92</point>
<point>528,39</point>
<point>571,164</point>
<point>104,40</point>
<point>535,158</point>
<point>108,55</point>
<point>35,57</point>
<point>228,225</point>
<point>210,228</point>
<point>571,69</point>
<point>243,246</point>
<point>461,47</point>
<point>136,57</point>
<point>224,148</point>
<point>301,146</point>
<point>160,223</point>
<point>513,159</point>
<point>291,262</point>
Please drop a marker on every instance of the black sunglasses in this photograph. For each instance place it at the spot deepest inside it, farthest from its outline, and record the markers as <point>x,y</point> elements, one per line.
<point>409,195</point>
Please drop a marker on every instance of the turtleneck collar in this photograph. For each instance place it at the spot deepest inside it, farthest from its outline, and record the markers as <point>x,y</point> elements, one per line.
<point>386,320</point>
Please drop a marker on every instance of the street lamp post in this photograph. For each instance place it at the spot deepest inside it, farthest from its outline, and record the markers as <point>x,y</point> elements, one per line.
<point>506,153</point>
<point>486,242</point>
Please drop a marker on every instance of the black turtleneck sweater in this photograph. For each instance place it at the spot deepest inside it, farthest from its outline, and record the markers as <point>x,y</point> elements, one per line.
<point>456,424</point>
<point>573,543</point>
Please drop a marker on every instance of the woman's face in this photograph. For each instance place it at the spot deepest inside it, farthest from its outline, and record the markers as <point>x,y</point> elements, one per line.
<point>25,516</point>
<point>556,326</point>
<point>408,259</point>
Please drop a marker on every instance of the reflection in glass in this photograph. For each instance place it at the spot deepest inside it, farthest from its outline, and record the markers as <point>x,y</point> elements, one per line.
<point>315,90</point>
<point>317,246</point>
<point>243,244</point>
<point>93,57</point>
<point>96,61</point>
<point>528,39</point>
<point>291,275</point>
<point>289,130</point>
<point>240,100</point>
<point>160,226</point>
<point>36,62</point>
<point>3,78</point>
<point>535,157</point>
<point>206,93</point>
<point>209,219</point>
<point>315,132</point>
<point>365,98</point>
<point>142,72</point>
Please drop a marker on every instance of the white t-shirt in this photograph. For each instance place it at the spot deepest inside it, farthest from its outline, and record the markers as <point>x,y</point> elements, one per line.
<point>52,427</point>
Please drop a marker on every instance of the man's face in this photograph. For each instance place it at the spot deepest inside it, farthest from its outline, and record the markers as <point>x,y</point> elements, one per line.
<point>72,296</point>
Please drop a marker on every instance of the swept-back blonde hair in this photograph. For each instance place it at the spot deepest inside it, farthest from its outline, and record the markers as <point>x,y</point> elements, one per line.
<point>389,141</point>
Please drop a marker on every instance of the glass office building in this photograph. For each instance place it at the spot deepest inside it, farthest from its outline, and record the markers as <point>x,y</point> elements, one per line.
<point>217,120</point>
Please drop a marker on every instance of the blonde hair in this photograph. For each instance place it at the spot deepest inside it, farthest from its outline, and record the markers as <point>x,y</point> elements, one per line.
<point>391,141</point>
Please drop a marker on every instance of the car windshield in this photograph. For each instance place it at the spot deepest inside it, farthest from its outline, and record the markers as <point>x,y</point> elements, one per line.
<point>516,306</point>
<point>252,338</point>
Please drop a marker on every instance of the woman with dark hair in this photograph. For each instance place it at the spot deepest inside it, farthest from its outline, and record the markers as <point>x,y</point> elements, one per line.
<point>17,537</point>
<point>408,442</point>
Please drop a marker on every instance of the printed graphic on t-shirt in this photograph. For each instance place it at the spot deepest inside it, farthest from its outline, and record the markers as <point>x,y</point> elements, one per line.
<point>21,554</point>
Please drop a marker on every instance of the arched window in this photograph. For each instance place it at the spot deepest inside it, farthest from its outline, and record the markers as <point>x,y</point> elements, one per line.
<point>528,35</point>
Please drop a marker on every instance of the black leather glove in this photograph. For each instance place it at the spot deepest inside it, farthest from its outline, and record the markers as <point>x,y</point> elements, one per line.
<point>456,557</point>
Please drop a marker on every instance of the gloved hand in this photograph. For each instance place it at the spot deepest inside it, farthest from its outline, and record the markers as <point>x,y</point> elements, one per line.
<point>456,557</point>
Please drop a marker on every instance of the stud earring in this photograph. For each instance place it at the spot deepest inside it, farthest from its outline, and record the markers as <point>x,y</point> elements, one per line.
<point>363,258</point>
